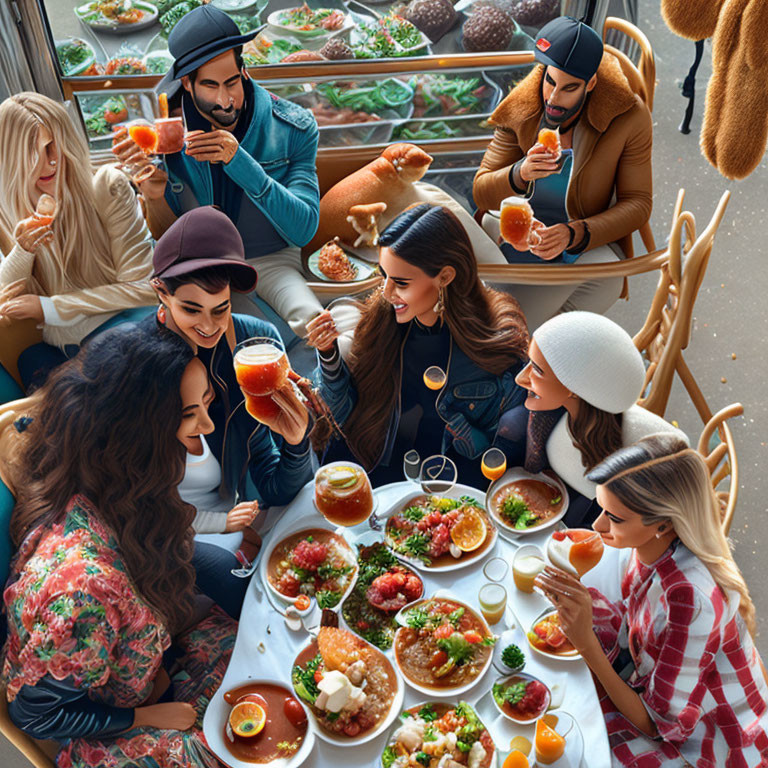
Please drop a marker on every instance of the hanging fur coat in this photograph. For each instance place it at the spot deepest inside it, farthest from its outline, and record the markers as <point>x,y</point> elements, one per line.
<point>735,129</point>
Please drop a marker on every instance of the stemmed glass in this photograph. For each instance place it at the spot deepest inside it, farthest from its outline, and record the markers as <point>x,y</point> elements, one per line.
<point>493,464</point>
<point>412,466</point>
<point>438,475</point>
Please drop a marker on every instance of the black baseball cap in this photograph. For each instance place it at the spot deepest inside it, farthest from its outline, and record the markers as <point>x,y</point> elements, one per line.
<point>571,45</point>
<point>203,237</point>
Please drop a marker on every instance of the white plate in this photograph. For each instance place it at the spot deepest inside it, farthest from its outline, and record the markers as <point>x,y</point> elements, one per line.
<point>528,678</point>
<point>439,693</point>
<point>437,703</point>
<point>512,475</point>
<point>78,68</point>
<point>558,656</point>
<point>468,558</point>
<point>302,525</point>
<point>215,721</point>
<point>105,25</point>
<point>318,32</point>
<point>394,711</point>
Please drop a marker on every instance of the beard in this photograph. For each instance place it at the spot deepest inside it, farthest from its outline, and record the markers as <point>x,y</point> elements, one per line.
<point>215,112</point>
<point>566,116</point>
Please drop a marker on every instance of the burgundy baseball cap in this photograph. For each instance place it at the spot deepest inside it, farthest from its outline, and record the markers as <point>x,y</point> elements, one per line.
<point>203,237</point>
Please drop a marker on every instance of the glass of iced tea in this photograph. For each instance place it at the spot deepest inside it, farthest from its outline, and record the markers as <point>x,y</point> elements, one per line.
<point>261,368</point>
<point>343,493</point>
<point>515,221</point>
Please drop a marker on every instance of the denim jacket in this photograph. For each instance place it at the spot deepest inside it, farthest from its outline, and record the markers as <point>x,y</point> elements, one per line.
<point>470,404</point>
<point>274,165</point>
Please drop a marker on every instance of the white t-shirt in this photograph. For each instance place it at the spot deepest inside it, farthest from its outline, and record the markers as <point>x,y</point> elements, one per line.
<point>200,487</point>
<point>565,458</point>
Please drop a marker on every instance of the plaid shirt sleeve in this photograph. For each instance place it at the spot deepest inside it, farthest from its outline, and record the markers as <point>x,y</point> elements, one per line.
<point>684,651</point>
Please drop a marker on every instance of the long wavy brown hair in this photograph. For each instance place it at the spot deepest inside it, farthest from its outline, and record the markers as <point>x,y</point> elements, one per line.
<point>104,426</point>
<point>488,326</point>
<point>595,433</point>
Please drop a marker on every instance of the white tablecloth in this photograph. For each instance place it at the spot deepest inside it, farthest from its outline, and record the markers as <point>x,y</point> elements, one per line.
<point>261,624</point>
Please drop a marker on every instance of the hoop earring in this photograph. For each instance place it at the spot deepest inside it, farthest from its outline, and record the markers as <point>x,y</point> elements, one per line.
<point>161,317</point>
<point>439,308</point>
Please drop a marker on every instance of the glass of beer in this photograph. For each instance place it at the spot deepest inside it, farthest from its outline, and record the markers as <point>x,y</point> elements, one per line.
<point>343,493</point>
<point>527,564</point>
<point>516,221</point>
<point>261,368</point>
<point>170,135</point>
<point>493,602</point>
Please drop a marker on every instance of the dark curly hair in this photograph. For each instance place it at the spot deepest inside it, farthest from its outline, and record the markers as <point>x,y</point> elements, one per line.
<point>104,426</point>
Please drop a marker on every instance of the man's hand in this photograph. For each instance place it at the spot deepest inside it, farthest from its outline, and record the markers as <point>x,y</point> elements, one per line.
<point>26,307</point>
<point>554,240</point>
<point>539,163</point>
<point>241,516</point>
<point>30,234</point>
<point>211,146</point>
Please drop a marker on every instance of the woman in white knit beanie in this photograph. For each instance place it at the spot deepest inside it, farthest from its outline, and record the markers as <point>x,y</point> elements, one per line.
<point>589,366</point>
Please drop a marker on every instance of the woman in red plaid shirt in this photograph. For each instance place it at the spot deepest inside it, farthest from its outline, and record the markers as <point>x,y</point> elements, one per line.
<point>697,692</point>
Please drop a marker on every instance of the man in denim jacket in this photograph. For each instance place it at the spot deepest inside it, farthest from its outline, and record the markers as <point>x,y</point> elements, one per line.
<point>246,151</point>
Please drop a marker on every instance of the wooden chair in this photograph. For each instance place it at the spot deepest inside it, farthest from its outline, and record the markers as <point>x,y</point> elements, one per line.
<point>34,751</point>
<point>667,328</point>
<point>721,460</point>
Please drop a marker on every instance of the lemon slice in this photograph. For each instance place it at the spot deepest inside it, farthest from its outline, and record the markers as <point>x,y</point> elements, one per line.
<point>470,530</point>
<point>342,477</point>
<point>247,719</point>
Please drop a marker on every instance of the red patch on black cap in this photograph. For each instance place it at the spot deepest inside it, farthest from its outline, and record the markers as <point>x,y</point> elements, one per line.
<point>543,44</point>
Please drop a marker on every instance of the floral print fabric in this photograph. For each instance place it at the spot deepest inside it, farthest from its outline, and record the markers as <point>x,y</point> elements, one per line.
<point>73,613</point>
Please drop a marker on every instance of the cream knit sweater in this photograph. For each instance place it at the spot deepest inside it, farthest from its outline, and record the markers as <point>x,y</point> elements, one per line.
<point>72,312</point>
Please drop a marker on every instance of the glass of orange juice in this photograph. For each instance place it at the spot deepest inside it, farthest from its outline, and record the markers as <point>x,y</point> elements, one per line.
<point>576,550</point>
<point>493,464</point>
<point>549,744</point>
<point>434,377</point>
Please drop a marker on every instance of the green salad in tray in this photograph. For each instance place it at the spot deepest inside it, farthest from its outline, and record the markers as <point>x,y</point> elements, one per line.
<point>427,131</point>
<point>388,37</point>
<point>442,96</point>
<point>265,51</point>
<point>309,21</point>
<point>74,56</point>
<point>367,97</point>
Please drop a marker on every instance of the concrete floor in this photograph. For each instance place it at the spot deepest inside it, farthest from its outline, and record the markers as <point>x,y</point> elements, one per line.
<point>729,309</point>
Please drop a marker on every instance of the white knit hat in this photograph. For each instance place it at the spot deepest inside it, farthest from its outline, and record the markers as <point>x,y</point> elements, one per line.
<point>594,358</point>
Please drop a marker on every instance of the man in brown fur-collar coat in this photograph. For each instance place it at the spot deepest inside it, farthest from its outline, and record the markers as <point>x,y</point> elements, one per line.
<point>592,195</point>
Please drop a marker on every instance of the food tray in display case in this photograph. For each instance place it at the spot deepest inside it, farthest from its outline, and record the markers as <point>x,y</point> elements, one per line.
<point>117,18</point>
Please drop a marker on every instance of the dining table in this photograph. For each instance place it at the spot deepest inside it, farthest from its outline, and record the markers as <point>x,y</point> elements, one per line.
<point>266,646</point>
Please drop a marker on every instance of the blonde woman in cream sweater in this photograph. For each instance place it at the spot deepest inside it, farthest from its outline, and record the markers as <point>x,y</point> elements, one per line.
<point>79,272</point>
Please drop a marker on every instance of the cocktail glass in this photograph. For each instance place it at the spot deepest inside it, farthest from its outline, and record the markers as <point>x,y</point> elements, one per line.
<point>576,550</point>
<point>343,493</point>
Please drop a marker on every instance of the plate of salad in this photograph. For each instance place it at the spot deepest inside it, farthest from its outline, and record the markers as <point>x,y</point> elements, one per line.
<point>387,37</point>
<point>76,56</point>
<point>264,50</point>
<point>307,22</point>
<point>436,725</point>
<point>117,16</point>
<point>451,96</point>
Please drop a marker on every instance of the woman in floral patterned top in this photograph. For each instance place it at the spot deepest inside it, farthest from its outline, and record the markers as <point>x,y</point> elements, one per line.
<point>109,651</point>
<point>697,691</point>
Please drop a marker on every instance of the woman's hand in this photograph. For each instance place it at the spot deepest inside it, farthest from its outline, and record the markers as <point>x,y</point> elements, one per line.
<point>322,332</point>
<point>241,516</point>
<point>573,603</point>
<point>292,419</point>
<point>31,233</point>
<point>172,716</point>
<point>25,307</point>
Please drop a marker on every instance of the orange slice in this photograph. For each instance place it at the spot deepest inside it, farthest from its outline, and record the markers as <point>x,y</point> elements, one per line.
<point>247,718</point>
<point>470,530</point>
<point>516,759</point>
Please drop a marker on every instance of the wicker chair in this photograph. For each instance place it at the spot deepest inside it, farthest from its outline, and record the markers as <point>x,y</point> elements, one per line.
<point>667,328</point>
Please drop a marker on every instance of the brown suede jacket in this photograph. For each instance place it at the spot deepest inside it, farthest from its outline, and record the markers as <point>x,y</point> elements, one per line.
<point>611,184</point>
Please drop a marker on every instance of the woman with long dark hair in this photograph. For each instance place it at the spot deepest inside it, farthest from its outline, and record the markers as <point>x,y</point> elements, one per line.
<point>583,380</point>
<point>431,310</point>
<point>697,693</point>
<point>102,585</point>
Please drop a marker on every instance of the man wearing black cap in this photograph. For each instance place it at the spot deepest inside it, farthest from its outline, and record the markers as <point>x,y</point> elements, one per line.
<point>247,152</point>
<point>592,195</point>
